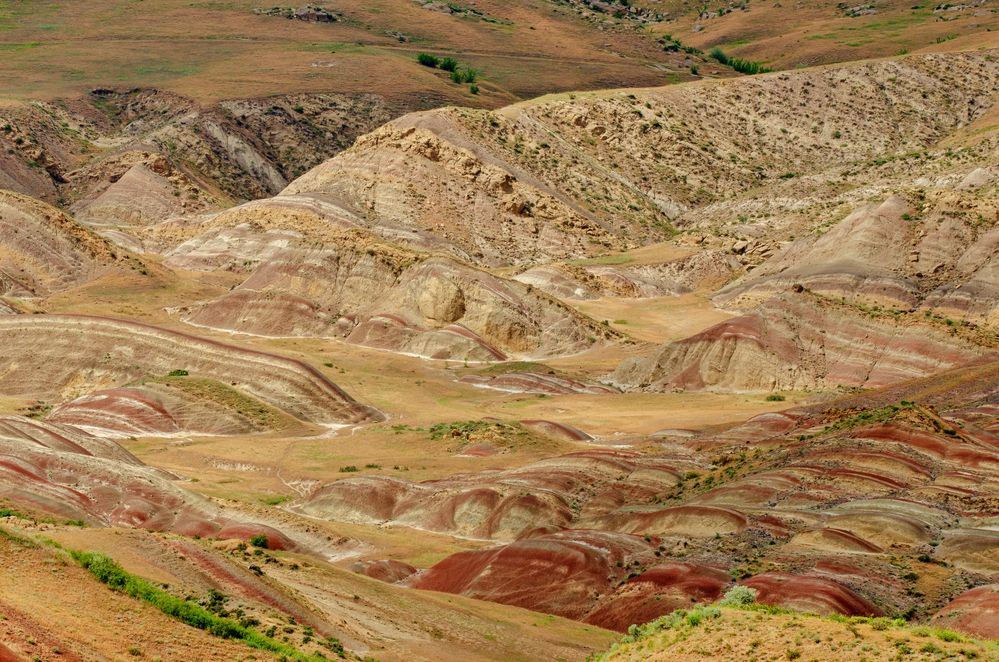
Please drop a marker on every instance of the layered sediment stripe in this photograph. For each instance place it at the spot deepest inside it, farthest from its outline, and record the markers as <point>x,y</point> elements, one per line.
<point>60,350</point>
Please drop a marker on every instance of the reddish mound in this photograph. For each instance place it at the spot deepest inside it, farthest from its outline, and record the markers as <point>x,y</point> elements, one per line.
<point>241,531</point>
<point>658,591</point>
<point>162,409</point>
<point>693,521</point>
<point>813,594</point>
<point>390,571</point>
<point>71,474</point>
<point>310,276</point>
<point>975,612</point>
<point>553,429</point>
<point>127,410</point>
<point>798,341</point>
<point>563,573</point>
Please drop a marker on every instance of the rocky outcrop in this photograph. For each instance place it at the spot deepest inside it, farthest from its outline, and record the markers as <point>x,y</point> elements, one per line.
<point>43,250</point>
<point>559,178</point>
<point>935,253</point>
<point>974,612</point>
<point>309,277</point>
<point>94,153</point>
<point>699,271</point>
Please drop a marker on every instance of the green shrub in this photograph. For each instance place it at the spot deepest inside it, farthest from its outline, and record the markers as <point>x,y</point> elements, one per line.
<point>259,540</point>
<point>349,469</point>
<point>449,64</point>
<point>460,429</point>
<point>775,397</point>
<point>739,596</point>
<point>178,373</point>
<point>428,60</point>
<point>474,89</point>
<point>947,635</point>
<point>464,75</point>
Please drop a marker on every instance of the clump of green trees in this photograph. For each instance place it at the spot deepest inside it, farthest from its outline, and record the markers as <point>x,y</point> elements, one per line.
<point>742,66</point>
<point>460,75</point>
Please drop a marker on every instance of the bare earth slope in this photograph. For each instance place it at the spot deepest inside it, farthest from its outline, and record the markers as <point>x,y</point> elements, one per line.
<point>571,176</point>
<point>44,250</point>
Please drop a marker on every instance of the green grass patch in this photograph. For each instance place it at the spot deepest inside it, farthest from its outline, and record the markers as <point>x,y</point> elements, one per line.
<point>18,47</point>
<point>343,47</point>
<point>865,417</point>
<point>463,429</point>
<point>232,399</point>
<point>619,258</point>
<point>13,537</point>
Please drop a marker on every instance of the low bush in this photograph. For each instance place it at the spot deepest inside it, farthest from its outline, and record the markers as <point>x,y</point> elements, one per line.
<point>428,60</point>
<point>739,596</point>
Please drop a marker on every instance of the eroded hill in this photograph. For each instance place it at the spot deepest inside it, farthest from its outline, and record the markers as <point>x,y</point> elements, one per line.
<point>491,384</point>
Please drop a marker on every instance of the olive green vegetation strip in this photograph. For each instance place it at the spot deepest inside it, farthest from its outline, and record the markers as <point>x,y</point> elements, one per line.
<point>109,572</point>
